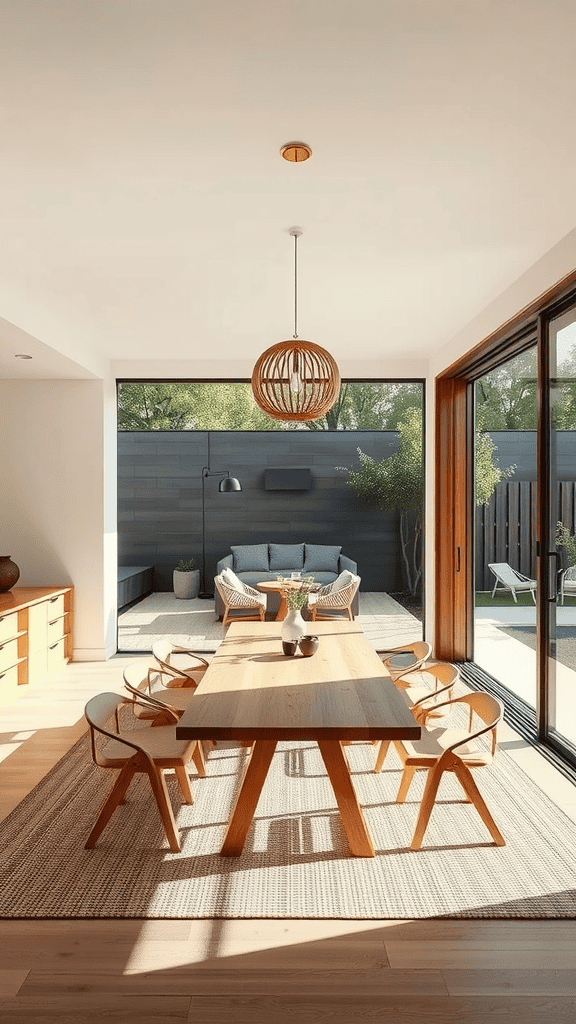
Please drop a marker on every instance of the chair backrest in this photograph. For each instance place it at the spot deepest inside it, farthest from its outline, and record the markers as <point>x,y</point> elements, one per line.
<point>341,598</point>
<point>570,573</point>
<point>169,656</point>
<point>486,707</point>
<point>505,573</point>
<point>100,712</point>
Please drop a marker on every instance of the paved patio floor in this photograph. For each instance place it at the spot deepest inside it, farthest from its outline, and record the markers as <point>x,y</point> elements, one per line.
<point>194,623</point>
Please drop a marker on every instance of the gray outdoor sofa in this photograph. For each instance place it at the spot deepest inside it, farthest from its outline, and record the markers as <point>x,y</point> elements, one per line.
<point>253,563</point>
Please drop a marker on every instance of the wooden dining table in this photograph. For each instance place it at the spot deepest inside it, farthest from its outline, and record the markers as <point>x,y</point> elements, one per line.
<point>253,693</point>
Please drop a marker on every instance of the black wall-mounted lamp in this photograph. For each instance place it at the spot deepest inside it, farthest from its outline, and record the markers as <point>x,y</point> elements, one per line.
<point>227,483</point>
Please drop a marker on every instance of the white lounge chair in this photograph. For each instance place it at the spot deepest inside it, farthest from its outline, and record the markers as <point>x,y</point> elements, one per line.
<point>567,582</point>
<point>511,579</point>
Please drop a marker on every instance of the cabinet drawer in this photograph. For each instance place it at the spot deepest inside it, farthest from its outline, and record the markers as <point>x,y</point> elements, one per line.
<point>55,607</point>
<point>8,683</point>
<point>8,654</point>
<point>56,629</point>
<point>56,656</point>
<point>8,626</point>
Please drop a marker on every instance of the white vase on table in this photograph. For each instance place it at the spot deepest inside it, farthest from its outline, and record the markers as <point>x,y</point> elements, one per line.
<point>293,626</point>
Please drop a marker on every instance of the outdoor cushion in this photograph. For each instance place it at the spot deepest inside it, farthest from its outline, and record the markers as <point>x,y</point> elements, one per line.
<point>250,557</point>
<point>322,557</point>
<point>284,555</point>
<point>343,580</point>
<point>402,660</point>
<point>232,580</point>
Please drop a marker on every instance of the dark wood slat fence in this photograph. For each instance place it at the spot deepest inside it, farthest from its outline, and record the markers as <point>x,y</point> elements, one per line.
<point>506,527</point>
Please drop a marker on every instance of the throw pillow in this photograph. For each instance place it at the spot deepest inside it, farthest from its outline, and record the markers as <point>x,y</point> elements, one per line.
<point>286,556</point>
<point>232,580</point>
<point>321,558</point>
<point>343,580</point>
<point>250,557</point>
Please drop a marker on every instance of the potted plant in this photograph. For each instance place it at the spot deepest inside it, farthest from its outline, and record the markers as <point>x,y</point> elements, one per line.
<point>186,579</point>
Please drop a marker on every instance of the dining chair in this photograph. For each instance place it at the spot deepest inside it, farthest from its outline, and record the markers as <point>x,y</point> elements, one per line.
<point>240,601</point>
<point>161,703</point>
<point>454,750</point>
<point>187,666</point>
<point>417,694</point>
<point>334,602</point>
<point>406,658</point>
<point>141,749</point>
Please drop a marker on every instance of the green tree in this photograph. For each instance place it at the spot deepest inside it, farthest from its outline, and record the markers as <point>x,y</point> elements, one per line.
<point>190,406</point>
<point>506,397</point>
<point>396,484</point>
<point>367,406</point>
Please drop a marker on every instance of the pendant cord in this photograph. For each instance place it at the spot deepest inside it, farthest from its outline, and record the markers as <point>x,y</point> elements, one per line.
<point>295,335</point>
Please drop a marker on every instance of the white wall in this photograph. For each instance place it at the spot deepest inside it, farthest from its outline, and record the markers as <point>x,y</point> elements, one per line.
<point>58,512</point>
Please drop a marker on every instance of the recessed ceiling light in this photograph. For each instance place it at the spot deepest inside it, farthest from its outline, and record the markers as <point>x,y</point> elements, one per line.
<point>296,152</point>
<point>22,355</point>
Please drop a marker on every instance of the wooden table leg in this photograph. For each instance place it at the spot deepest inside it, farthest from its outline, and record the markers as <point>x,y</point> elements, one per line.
<point>353,821</point>
<point>246,802</point>
<point>282,610</point>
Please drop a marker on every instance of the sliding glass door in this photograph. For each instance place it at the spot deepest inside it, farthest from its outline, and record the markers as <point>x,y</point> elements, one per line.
<point>558,462</point>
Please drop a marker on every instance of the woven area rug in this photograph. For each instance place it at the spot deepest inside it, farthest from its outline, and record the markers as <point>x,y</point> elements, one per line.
<point>296,862</point>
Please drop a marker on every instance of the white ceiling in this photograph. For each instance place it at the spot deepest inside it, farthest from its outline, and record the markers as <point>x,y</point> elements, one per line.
<point>144,207</point>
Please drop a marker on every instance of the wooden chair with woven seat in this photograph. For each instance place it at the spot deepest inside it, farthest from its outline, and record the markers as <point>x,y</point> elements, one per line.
<point>417,695</point>
<point>142,749</point>
<point>241,603</point>
<point>156,700</point>
<point>406,658</point>
<point>330,603</point>
<point>187,666</point>
<point>454,750</point>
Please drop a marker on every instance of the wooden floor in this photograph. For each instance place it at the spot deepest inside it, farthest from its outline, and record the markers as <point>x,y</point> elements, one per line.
<point>255,971</point>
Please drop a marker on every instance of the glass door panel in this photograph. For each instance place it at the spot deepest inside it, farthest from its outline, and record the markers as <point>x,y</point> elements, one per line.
<point>506,417</point>
<point>561,654</point>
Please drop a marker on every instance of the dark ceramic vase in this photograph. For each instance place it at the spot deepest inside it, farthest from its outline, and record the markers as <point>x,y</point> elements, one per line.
<point>9,573</point>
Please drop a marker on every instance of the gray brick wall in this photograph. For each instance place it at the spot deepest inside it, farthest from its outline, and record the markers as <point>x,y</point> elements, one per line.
<point>160,499</point>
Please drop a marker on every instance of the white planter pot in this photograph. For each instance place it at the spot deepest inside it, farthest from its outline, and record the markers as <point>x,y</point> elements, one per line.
<point>186,584</point>
<point>293,626</point>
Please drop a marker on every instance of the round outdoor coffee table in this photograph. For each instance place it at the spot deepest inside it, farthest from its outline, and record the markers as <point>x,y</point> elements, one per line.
<point>276,587</point>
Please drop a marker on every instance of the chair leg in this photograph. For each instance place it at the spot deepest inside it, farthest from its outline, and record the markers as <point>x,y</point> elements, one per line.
<point>432,783</point>
<point>184,781</point>
<point>116,797</point>
<point>514,595</point>
<point>405,782</point>
<point>160,790</point>
<point>467,782</point>
<point>198,758</point>
<point>381,757</point>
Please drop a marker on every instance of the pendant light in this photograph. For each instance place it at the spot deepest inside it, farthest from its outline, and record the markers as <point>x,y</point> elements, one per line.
<point>295,380</point>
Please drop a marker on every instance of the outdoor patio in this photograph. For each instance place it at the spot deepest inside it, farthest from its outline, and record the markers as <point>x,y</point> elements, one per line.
<point>194,623</point>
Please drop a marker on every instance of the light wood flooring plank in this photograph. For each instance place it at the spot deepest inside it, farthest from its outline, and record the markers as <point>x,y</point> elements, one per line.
<point>363,1009</point>
<point>511,983</point>
<point>445,956</point>
<point>10,982</point>
<point>93,1008</point>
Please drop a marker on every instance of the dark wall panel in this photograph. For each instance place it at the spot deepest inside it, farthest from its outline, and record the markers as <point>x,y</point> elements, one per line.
<point>160,499</point>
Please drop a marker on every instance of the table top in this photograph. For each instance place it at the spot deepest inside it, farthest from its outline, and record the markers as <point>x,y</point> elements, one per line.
<point>253,691</point>
<point>287,584</point>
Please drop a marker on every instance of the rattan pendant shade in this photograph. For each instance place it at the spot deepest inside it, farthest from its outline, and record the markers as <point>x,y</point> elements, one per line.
<point>295,380</point>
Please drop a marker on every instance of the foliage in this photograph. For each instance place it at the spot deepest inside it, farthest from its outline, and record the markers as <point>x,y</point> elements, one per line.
<point>566,540</point>
<point>190,406</point>
<point>230,406</point>
<point>186,565</point>
<point>487,473</point>
<point>296,599</point>
<point>396,485</point>
<point>506,398</point>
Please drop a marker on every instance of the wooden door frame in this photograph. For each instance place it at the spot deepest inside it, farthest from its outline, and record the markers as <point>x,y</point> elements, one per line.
<point>454,508</point>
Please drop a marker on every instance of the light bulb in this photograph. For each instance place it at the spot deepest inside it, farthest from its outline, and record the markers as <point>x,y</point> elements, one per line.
<point>296,383</point>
